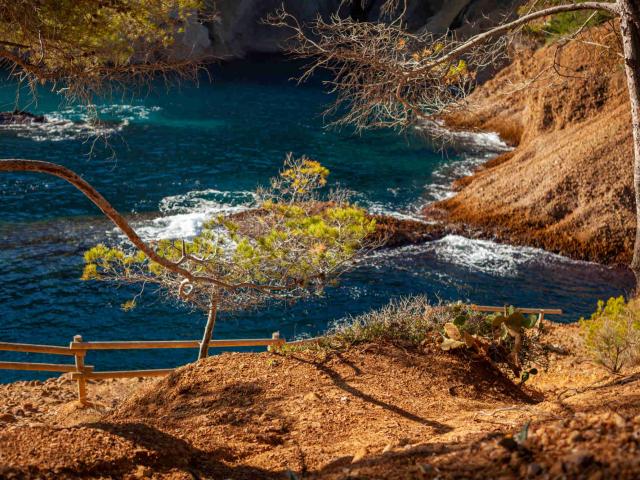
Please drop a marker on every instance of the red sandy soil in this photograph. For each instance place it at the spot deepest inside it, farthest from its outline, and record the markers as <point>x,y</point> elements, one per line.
<point>567,186</point>
<point>374,411</point>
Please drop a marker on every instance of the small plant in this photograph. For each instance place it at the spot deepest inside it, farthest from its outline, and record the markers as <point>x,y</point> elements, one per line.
<point>501,336</point>
<point>407,321</point>
<point>612,334</point>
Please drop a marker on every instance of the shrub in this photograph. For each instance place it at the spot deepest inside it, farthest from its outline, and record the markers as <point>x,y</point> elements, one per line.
<point>612,334</point>
<point>561,25</point>
<point>508,340</point>
<point>407,320</point>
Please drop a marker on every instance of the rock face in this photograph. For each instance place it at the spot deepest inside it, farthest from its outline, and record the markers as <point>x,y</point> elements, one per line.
<point>18,117</point>
<point>567,187</point>
<point>238,31</point>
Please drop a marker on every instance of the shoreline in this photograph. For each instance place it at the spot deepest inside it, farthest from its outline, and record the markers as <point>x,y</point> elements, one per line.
<point>566,185</point>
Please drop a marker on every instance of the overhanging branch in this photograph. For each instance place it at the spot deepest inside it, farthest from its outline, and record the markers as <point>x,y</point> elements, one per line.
<point>48,168</point>
<point>501,29</point>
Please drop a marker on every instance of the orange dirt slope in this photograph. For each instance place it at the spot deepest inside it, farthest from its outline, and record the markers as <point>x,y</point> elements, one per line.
<point>376,411</point>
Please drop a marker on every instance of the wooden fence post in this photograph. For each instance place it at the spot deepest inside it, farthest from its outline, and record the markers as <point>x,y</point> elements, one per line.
<point>274,336</point>
<point>82,380</point>
<point>540,319</point>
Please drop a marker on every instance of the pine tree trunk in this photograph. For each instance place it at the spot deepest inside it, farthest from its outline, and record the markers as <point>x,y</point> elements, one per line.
<point>630,29</point>
<point>208,330</point>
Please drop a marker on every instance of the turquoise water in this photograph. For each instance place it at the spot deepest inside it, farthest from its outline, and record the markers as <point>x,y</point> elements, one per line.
<point>176,157</point>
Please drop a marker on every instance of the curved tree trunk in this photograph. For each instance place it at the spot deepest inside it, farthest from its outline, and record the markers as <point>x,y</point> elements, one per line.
<point>208,330</point>
<point>630,29</point>
<point>16,165</point>
<point>36,166</point>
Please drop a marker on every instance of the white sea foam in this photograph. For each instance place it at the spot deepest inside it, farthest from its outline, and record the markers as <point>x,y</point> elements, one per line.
<point>208,201</point>
<point>474,255</point>
<point>79,122</point>
<point>379,208</point>
<point>184,215</point>
<point>491,257</point>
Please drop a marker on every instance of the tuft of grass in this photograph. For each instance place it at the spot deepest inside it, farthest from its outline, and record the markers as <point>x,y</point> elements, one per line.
<point>407,321</point>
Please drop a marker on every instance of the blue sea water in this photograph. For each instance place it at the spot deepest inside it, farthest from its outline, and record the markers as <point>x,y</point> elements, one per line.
<point>175,157</point>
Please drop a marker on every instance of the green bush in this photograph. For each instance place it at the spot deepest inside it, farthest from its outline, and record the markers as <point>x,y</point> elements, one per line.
<point>563,24</point>
<point>612,334</point>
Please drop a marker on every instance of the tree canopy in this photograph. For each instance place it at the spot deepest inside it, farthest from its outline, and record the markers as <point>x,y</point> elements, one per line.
<point>81,47</point>
<point>289,246</point>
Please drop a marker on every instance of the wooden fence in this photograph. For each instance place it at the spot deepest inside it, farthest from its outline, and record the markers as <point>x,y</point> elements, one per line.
<point>81,372</point>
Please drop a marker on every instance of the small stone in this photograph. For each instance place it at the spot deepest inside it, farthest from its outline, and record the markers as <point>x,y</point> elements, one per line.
<point>544,439</point>
<point>360,454</point>
<point>311,397</point>
<point>8,418</point>
<point>388,448</point>
<point>579,459</point>
<point>575,437</point>
<point>142,472</point>
<point>618,420</point>
<point>533,469</point>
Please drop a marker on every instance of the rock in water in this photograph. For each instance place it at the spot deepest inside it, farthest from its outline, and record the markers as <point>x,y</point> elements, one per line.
<point>19,117</point>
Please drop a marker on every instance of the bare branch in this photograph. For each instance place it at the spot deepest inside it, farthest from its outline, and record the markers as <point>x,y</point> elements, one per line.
<point>384,76</point>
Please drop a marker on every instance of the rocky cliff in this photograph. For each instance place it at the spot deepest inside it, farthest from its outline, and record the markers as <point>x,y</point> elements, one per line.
<point>567,186</point>
<point>238,30</point>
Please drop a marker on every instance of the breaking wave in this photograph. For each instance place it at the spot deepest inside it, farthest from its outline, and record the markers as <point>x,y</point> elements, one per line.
<point>183,215</point>
<point>82,122</point>
<point>475,149</point>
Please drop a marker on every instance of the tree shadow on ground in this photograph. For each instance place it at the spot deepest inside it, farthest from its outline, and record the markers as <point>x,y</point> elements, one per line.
<point>341,383</point>
<point>162,452</point>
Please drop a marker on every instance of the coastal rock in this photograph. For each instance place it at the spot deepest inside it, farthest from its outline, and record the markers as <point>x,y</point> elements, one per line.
<point>19,117</point>
<point>397,232</point>
<point>239,28</point>
<point>567,187</point>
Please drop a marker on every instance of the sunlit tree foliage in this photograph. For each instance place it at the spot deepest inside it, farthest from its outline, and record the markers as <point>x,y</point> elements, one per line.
<point>80,47</point>
<point>288,247</point>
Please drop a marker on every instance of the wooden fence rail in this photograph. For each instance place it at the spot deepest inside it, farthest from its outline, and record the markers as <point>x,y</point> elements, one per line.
<point>78,348</point>
<point>540,311</point>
